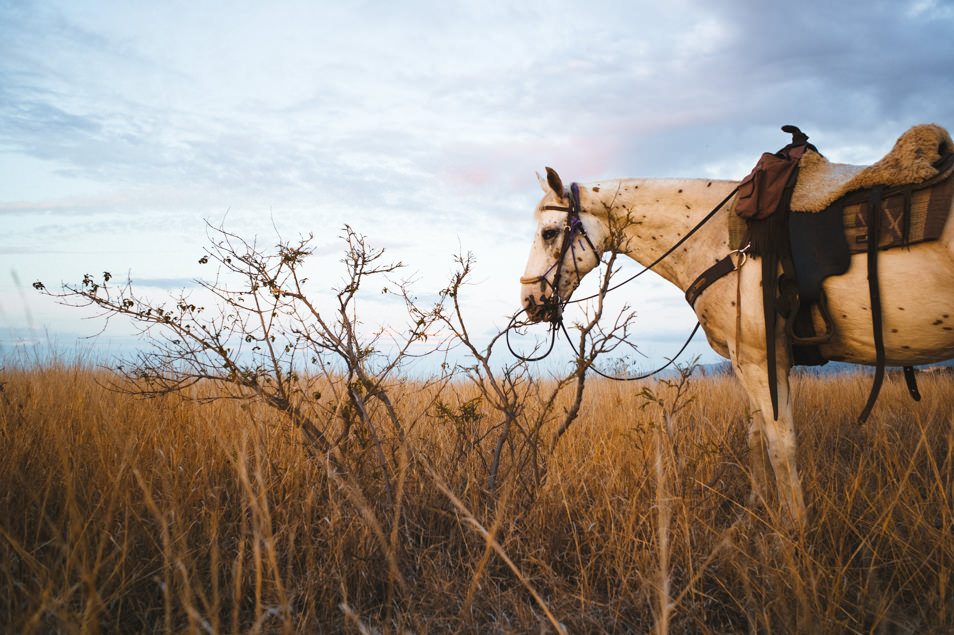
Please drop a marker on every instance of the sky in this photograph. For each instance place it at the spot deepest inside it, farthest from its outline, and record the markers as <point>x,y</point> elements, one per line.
<point>125,127</point>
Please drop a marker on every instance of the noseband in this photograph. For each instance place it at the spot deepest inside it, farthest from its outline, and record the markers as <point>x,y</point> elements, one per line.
<point>573,234</point>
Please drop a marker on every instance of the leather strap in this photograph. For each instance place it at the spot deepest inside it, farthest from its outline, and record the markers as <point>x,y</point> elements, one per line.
<point>722,268</point>
<point>770,315</point>
<point>874,292</point>
<point>912,383</point>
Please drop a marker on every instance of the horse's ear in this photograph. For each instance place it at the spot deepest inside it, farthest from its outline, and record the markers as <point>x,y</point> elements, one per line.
<point>553,180</point>
<point>543,184</point>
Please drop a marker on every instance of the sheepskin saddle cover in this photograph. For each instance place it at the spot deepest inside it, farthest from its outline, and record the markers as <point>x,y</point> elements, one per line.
<point>913,160</point>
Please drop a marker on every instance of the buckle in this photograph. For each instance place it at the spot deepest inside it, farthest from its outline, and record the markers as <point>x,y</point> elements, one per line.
<point>744,256</point>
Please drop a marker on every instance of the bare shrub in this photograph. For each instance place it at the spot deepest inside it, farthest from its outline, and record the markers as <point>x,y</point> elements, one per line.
<point>267,341</point>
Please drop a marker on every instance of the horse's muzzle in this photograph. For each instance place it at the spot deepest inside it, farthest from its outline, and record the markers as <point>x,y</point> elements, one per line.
<point>542,309</point>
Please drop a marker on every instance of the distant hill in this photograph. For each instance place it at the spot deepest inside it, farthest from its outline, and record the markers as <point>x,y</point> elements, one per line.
<point>834,368</point>
<point>831,368</point>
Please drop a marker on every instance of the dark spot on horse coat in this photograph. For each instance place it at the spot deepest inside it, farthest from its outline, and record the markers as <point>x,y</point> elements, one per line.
<point>937,322</point>
<point>894,330</point>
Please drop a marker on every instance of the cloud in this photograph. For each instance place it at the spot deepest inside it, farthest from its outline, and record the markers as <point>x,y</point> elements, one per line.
<point>596,99</point>
<point>123,126</point>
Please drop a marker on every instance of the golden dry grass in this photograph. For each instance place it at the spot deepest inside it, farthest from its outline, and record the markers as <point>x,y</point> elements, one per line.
<point>167,515</point>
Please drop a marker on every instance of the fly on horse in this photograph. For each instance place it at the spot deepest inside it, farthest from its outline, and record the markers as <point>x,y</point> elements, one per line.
<point>681,228</point>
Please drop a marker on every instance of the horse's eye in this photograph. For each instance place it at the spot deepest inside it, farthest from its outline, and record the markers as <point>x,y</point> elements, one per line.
<point>550,234</point>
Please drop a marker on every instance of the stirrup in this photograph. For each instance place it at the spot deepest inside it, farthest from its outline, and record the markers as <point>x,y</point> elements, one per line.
<point>814,340</point>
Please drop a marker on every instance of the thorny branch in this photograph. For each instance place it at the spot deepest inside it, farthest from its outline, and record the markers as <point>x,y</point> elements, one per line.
<point>512,388</point>
<point>270,336</point>
<point>267,337</point>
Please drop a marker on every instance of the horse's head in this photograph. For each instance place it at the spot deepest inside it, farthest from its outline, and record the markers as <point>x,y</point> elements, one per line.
<point>567,245</point>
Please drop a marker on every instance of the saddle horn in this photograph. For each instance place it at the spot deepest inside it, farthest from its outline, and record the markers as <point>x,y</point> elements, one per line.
<point>798,137</point>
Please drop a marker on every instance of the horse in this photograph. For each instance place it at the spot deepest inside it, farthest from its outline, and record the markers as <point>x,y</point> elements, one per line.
<point>679,229</point>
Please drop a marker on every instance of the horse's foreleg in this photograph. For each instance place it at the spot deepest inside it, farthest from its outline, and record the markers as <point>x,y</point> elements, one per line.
<point>762,480</point>
<point>774,437</point>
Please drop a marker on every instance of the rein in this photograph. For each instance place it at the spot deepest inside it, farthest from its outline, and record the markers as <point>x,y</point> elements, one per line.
<point>571,228</point>
<point>669,251</point>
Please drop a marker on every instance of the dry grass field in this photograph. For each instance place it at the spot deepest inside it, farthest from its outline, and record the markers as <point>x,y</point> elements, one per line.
<point>123,514</point>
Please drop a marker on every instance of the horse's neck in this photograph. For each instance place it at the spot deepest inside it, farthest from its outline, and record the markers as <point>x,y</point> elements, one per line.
<point>657,213</point>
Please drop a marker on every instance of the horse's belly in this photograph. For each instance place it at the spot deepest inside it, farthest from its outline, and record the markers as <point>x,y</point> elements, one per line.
<point>917,308</point>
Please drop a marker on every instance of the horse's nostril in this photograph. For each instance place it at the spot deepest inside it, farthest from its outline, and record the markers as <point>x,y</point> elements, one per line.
<point>539,307</point>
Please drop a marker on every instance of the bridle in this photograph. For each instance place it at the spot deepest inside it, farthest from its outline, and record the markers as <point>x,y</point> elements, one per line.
<point>573,233</point>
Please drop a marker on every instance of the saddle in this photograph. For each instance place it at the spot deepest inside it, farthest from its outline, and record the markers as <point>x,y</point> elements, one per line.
<point>913,159</point>
<point>804,216</point>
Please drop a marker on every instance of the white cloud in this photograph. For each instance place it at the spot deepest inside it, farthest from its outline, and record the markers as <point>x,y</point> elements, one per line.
<point>123,126</point>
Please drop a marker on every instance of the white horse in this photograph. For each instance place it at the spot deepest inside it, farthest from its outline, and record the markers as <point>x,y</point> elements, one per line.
<point>917,294</point>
